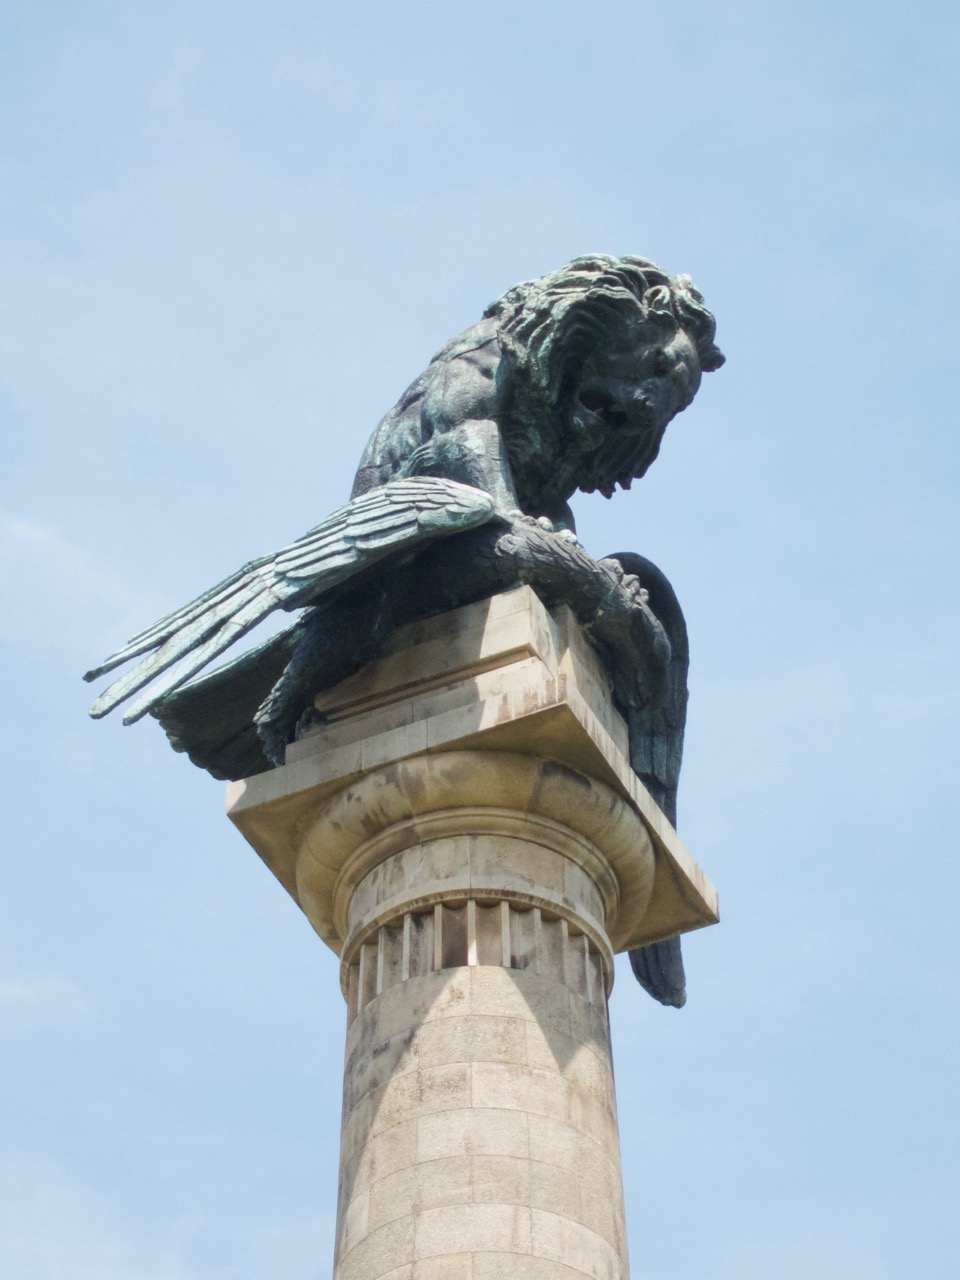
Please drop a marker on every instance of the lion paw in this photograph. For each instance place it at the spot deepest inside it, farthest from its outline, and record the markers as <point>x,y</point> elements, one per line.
<point>628,583</point>
<point>532,522</point>
<point>546,524</point>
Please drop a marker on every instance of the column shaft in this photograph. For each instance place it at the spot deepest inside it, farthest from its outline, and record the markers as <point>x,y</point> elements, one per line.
<point>479,1121</point>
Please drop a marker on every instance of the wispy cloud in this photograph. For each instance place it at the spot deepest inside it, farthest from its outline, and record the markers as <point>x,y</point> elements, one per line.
<point>30,542</point>
<point>93,1239</point>
<point>797,1260</point>
<point>55,585</point>
<point>41,1002</point>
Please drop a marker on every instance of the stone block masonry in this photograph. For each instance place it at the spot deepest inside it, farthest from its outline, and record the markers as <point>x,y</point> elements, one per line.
<point>443,835</point>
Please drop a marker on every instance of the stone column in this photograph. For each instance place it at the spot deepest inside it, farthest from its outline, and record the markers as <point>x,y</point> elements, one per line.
<point>479,1119</point>
<point>441,834</point>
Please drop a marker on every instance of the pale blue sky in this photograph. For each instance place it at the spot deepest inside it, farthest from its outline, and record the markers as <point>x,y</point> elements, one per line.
<point>232,233</point>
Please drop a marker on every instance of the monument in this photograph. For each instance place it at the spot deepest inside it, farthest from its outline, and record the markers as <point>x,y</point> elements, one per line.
<point>461,760</point>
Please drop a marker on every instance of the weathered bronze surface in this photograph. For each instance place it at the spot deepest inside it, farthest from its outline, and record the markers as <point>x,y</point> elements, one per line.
<point>568,382</point>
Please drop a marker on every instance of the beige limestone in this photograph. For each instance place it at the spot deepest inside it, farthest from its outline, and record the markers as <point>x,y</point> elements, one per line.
<point>466,833</point>
<point>515,1148</point>
<point>502,675</point>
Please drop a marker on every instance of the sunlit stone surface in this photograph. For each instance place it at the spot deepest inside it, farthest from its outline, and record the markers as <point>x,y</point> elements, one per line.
<point>466,833</point>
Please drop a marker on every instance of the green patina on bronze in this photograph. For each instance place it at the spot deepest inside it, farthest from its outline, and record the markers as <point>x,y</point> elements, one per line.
<point>567,382</point>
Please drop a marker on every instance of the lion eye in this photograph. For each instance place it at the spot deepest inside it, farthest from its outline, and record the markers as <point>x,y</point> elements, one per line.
<point>662,364</point>
<point>605,407</point>
<point>597,401</point>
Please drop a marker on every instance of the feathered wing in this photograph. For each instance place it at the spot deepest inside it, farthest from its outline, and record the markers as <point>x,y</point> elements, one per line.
<point>212,718</point>
<point>656,750</point>
<point>395,516</point>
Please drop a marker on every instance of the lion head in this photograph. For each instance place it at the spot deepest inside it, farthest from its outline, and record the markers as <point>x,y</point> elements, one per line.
<point>600,355</point>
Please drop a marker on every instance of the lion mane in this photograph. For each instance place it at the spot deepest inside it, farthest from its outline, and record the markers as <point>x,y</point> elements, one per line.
<point>549,326</point>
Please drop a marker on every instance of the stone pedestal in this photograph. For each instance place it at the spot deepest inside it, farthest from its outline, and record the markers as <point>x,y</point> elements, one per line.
<point>466,833</point>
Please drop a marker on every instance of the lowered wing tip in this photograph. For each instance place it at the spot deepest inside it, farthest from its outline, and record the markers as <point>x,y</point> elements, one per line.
<point>133,716</point>
<point>106,703</point>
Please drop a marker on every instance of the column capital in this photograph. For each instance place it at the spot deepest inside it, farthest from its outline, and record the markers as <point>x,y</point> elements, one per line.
<point>505,677</point>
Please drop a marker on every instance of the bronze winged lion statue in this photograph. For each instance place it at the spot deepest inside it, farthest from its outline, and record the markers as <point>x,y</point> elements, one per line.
<point>567,382</point>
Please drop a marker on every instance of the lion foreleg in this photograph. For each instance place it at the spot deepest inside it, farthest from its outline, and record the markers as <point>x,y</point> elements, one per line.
<point>611,605</point>
<point>341,633</point>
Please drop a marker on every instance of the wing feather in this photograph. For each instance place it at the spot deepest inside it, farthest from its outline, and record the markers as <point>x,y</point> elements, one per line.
<point>656,749</point>
<point>394,516</point>
<point>192,638</point>
<point>230,630</point>
<point>183,617</point>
